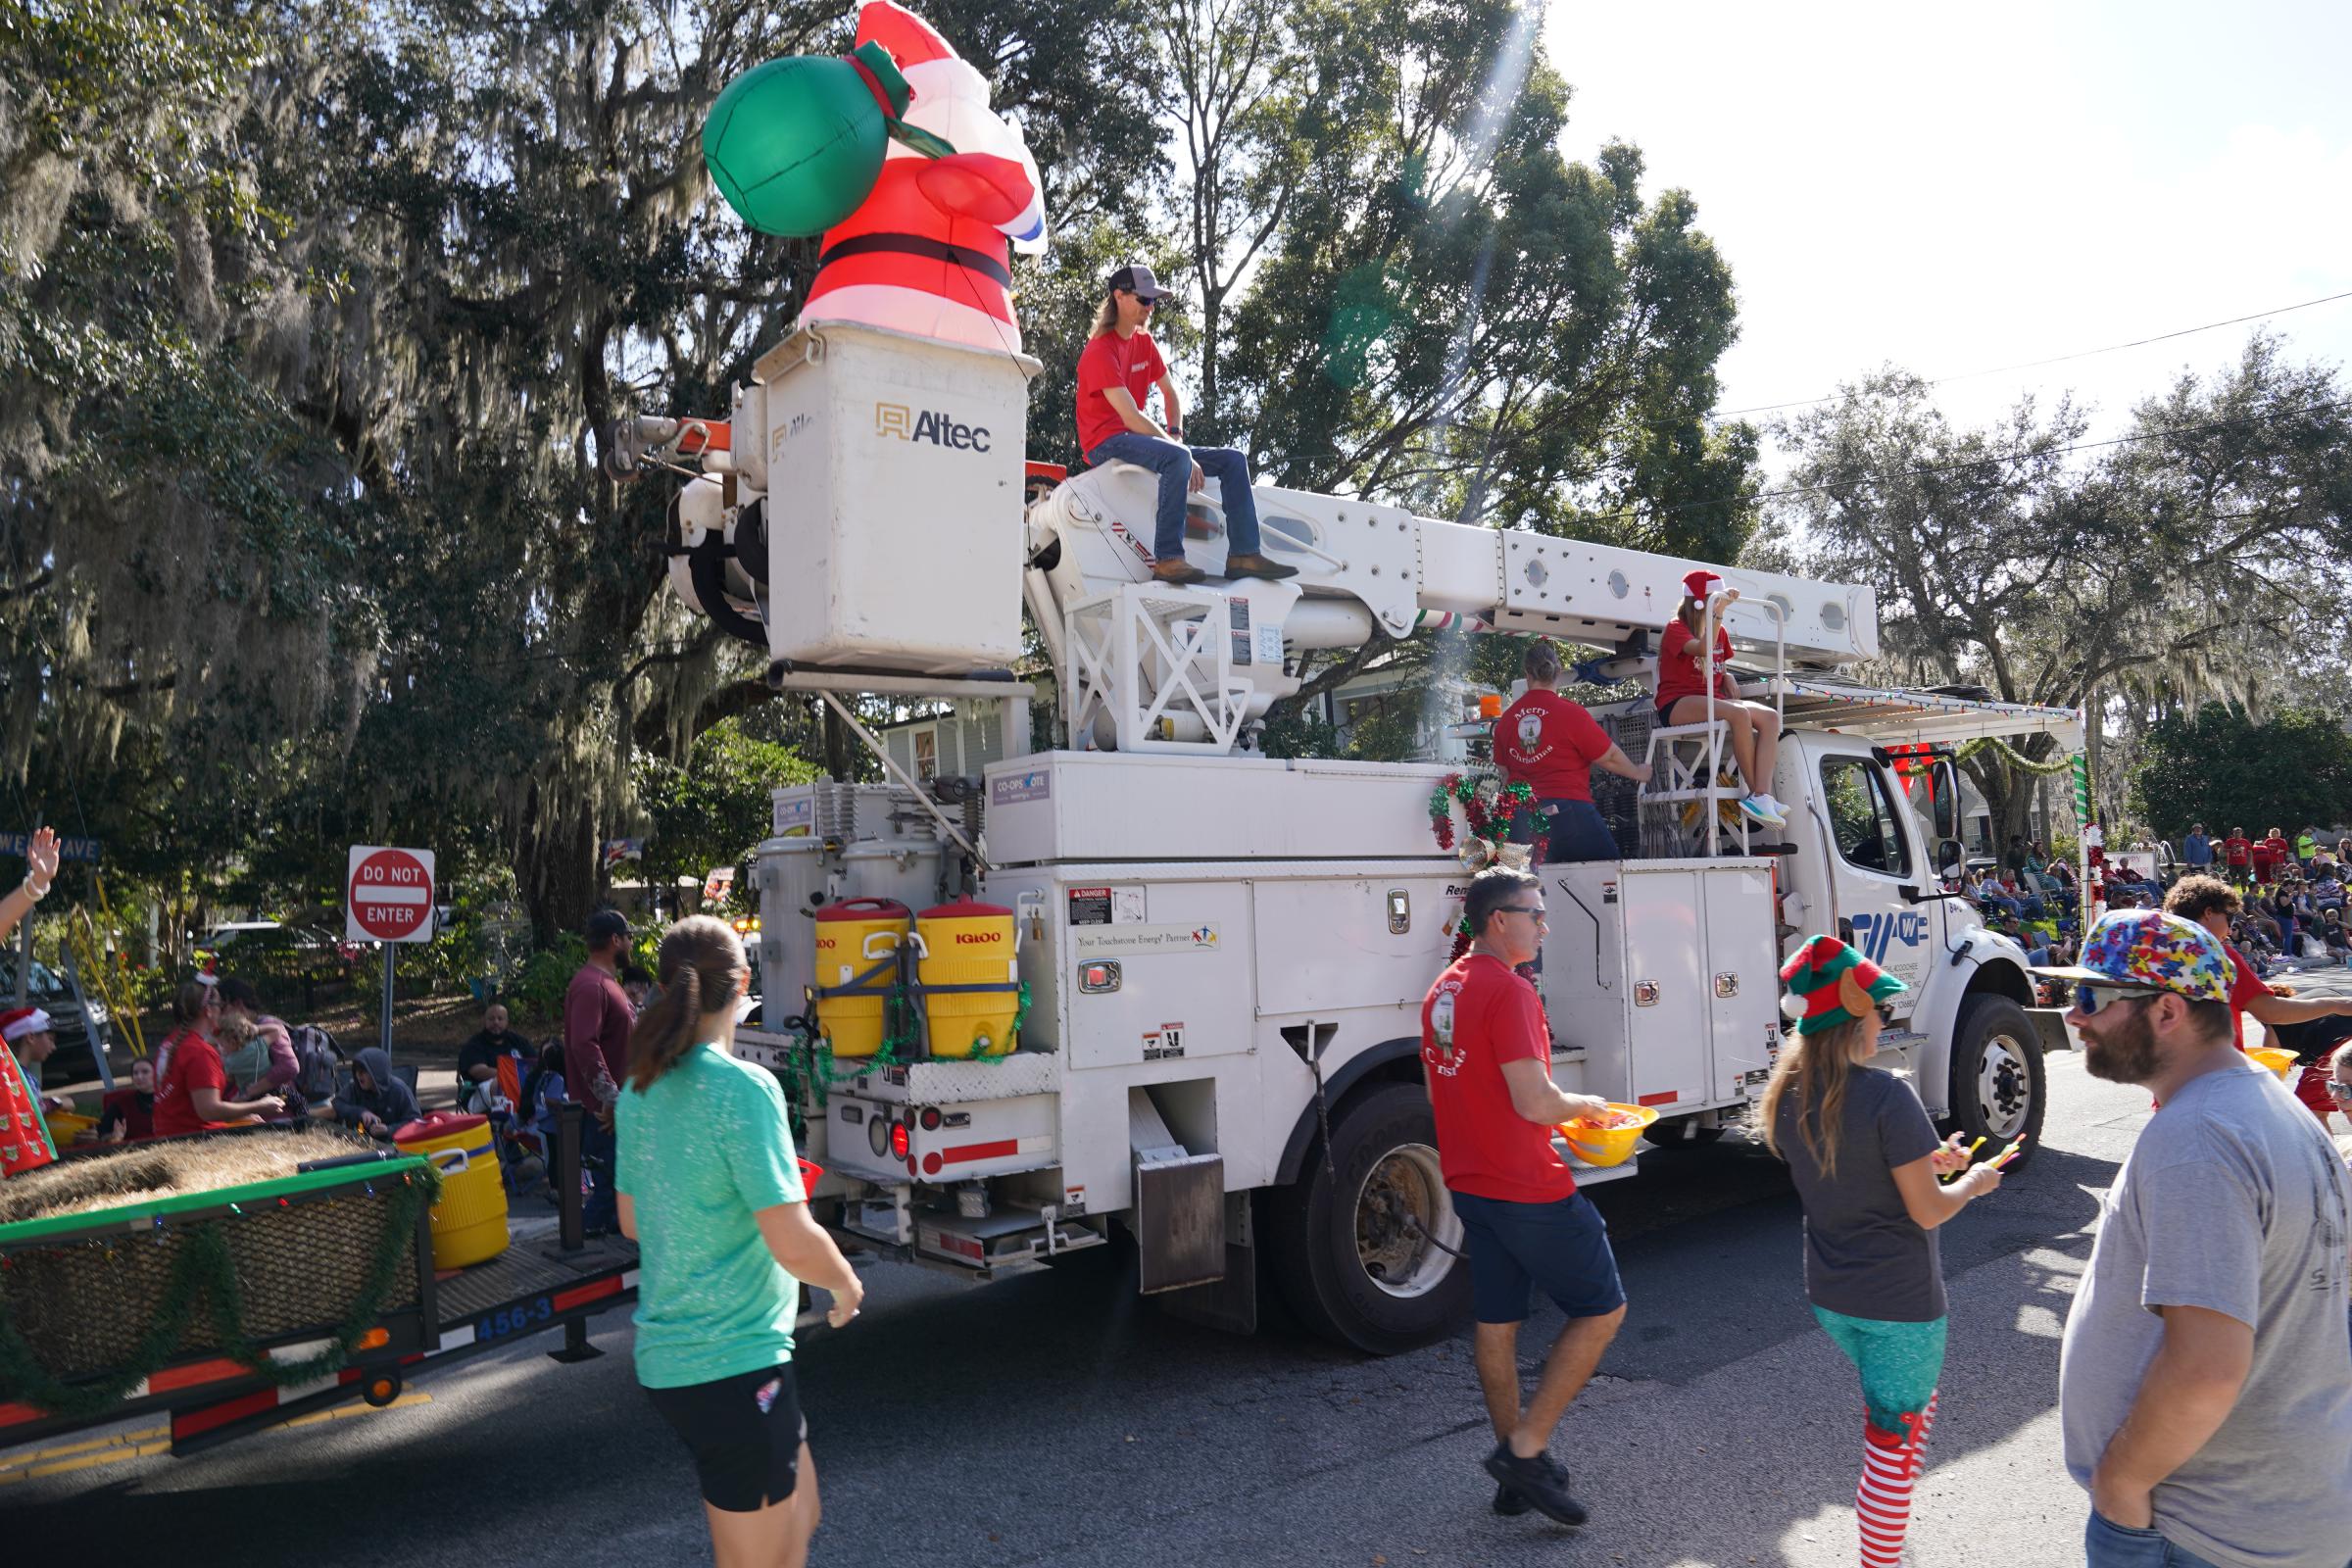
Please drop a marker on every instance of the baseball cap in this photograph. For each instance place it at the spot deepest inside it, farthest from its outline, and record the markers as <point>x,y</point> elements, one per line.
<point>1698,582</point>
<point>604,925</point>
<point>2154,951</point>
<point>1137,280</point>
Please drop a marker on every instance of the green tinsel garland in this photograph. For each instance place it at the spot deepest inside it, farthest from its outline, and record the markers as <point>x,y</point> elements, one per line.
<point>2012,755</point>
<point>204,1268</point>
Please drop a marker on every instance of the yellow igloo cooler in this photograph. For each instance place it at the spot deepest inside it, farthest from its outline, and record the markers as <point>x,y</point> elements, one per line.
<point>971,984</point>
<point>469,1223</point>
<point>852,937</point>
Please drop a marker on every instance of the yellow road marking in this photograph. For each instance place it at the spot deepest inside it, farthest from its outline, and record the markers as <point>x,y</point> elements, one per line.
<point>148,1442</point>
<point>67,1450</point>
<point>338,1412</point>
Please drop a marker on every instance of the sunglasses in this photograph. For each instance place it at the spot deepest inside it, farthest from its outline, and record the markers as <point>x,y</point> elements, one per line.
<point>1886,1012</point>
<point>1536,910</point>
<point>2090,998</point>
<point>2338,1089</point>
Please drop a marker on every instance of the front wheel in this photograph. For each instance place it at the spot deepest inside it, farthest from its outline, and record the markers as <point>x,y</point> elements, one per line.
<point>1999,1088</point>
<point>1364,1245</point>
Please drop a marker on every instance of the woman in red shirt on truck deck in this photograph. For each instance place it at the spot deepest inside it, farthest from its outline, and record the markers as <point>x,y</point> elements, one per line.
<point>1552,744</point>
<point>1753,729</point>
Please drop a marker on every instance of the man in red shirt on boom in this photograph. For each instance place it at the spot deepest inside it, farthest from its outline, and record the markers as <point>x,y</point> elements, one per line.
<point>1115,374</point>
<point>1552,744</point>
<point>1487,1052</point>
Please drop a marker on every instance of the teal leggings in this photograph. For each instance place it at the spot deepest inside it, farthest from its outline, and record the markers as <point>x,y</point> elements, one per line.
<point>1900,1362</point>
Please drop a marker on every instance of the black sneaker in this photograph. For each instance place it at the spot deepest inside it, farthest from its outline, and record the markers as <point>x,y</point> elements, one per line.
<point>1543,1483</point>
<point>1507,1502</point>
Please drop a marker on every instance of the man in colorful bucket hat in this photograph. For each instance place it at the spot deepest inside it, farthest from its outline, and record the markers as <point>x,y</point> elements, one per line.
<point>2205,1387</point>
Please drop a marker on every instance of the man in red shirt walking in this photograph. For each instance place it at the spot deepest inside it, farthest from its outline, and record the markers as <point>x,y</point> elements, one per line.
<point>1487,1054</point>
<point>1117,371</point>
<point>597,1020</point>
<point>1552,744</point>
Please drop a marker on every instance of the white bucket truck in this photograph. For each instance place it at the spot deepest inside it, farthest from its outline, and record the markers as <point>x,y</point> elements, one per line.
<point>1225,953</point>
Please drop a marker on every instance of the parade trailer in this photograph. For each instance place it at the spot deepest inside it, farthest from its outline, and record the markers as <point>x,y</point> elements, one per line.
<point>1209,962</point>
<point>222,1313</point>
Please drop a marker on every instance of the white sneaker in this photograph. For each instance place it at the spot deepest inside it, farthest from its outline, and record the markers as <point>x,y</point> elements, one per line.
<point>1764,809</point>
<point>1779,811</point>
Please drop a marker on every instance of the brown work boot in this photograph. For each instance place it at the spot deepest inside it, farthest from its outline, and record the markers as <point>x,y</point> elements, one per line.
<point>1177,571</point>
<point>1258,566</point>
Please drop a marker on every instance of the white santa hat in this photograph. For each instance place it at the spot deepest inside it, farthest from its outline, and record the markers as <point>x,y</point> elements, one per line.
<point>17,1024</point>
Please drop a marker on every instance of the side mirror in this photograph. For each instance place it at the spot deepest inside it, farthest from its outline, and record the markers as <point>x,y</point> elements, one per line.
<point>1946,780</point>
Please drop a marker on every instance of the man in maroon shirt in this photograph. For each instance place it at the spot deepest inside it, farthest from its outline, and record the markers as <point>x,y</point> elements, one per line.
<point>1116,372</point>
<point>1487,1052</point>
<point>597,1020</point>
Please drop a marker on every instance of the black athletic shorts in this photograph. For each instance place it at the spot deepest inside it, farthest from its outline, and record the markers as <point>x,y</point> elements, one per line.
<point>745,1433</point>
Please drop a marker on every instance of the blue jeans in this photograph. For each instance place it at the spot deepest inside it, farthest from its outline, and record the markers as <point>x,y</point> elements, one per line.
<point>1579,832</point>
<point>1174,466</point>
<point>600,1210</point>
<point>2107,1544</point>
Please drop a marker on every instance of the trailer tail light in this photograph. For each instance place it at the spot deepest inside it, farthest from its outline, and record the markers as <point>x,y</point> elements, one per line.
<point>375,1340</point>
<point>898,1139</point>
<point>930,1118</point>
<point>877,1135</point>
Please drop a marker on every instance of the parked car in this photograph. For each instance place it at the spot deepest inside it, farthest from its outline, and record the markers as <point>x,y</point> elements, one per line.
<point>289,963</point>
<point>75,1061</point>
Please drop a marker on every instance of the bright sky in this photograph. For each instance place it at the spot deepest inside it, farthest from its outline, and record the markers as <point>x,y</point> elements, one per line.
<point>1955,189</point>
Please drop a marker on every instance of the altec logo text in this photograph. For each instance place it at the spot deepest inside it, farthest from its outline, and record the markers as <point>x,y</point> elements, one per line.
<point>897,420</point>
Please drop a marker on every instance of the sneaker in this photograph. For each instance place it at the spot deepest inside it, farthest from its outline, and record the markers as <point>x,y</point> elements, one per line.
<point>1764,809</point>
<point>1178,572</point>
<point>1244,565</point>
<point>1507,1502</point>
<point>1543,1483</point>
<point>1752,809</point>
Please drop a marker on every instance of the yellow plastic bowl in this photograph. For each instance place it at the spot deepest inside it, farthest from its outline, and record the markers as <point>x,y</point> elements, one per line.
<point>1608,1146</point>
<point>2281,1062</point>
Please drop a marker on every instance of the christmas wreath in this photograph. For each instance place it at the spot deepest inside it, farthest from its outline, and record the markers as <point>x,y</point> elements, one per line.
<point>1492,809</point>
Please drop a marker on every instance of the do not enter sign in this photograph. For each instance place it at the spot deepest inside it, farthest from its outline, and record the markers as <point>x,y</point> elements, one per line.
<point>391,895</point>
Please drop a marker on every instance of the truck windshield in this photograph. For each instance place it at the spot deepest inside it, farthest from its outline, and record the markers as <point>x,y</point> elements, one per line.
<point>1862,819</point>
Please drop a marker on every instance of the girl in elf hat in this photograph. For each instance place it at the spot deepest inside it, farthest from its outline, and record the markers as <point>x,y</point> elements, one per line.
<point>1752,729</point>
<point>1865,1161</point>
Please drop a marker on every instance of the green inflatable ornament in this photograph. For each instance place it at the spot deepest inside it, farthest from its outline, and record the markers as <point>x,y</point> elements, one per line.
<point>796,144</point>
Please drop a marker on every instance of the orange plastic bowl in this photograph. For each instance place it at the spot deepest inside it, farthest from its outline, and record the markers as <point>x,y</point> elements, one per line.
<point>1610,1145</point>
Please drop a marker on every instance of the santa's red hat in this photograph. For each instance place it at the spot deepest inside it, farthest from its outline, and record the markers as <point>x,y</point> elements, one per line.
<point>18,1022</point>
<point>907,37</point>
<point>1700,582</point>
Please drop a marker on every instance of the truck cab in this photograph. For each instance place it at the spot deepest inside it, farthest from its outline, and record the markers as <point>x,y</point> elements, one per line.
<point>1873,850</point>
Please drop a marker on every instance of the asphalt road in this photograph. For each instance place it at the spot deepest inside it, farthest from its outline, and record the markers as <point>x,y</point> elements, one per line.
<point>1053,1421</point>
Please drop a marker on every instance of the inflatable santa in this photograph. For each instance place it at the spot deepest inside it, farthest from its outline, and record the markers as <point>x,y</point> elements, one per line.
<point>928,252</point>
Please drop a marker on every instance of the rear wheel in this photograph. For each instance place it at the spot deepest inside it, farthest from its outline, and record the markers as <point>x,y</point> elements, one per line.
<point>1999,1089</point>
<point>1360,1244</point>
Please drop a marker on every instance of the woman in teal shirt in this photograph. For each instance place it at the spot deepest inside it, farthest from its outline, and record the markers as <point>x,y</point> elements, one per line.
<point>710,1191</point>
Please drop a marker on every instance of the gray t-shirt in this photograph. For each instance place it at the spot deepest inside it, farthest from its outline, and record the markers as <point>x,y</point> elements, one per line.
<point>2235,1201</point>
<point>1865,1257</point>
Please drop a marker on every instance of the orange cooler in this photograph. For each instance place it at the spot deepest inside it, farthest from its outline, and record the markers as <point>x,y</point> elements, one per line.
<point>469,1223</point>
<point>852,937</point>
<point>970,944</point>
